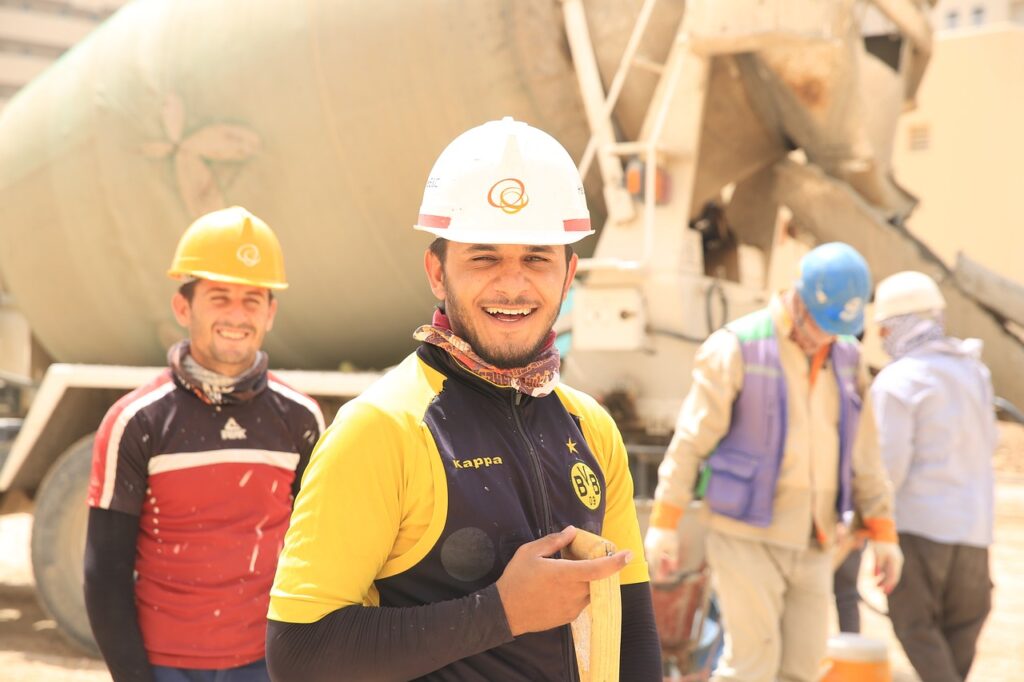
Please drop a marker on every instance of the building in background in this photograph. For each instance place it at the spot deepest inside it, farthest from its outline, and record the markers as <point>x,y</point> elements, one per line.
<point>35,33</point>
<point>950,15</point>
<point>959,151</point>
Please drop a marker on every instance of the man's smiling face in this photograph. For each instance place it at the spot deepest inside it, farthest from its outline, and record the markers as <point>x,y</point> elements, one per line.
<point>226,323</point>
<point>503,299</point>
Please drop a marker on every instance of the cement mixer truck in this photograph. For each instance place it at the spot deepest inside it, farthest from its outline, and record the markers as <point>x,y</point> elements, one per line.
<point>703,129</point>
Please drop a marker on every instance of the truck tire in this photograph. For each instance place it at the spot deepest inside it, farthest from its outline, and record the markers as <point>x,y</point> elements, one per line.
<point>58,543</point>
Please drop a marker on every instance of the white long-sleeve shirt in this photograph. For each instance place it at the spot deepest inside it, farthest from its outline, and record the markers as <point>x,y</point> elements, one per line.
<point>936,425</point>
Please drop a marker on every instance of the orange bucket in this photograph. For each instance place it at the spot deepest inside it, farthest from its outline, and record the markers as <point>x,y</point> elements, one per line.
<point>855,658</point>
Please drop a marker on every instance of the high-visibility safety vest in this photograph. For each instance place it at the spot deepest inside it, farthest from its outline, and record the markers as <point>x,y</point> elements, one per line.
<point>744,468</point>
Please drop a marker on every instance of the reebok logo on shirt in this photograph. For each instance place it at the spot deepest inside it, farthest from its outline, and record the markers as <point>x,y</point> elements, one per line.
<point>232,430</point>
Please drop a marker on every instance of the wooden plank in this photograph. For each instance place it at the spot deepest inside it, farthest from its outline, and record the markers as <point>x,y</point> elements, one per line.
<point>42,28</point>
<point>18,69</point>
<point>97,6</point>
<point>994,291</point>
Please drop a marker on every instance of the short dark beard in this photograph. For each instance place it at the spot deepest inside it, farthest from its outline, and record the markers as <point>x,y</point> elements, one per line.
<point>439,247</point>
<point>501,362</point>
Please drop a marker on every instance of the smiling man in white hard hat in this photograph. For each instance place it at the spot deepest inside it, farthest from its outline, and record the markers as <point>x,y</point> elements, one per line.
<point>194,474</point>
<point>426,541</point>
<point>936,421</point>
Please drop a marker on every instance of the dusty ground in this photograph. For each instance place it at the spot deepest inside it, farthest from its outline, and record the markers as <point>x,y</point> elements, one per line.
<point>31,650</point>
<point>1000,655</point>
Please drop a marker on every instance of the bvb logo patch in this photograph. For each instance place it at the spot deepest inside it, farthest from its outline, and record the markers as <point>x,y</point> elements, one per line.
<point>586,484</point>
<point>509,195</point>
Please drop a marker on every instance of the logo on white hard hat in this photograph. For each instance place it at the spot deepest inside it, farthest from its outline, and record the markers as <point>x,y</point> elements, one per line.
<point>509,195</point>
<point>248,255</point>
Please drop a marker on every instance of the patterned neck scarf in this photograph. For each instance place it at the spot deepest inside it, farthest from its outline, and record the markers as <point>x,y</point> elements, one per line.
<point>213,388</point>
<point>909,332</point>
<point>536,379</point>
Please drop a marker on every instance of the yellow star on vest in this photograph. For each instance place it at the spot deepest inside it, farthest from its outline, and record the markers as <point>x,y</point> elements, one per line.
<point>572,446</point>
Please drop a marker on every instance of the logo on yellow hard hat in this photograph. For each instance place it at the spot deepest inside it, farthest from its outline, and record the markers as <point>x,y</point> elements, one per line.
<point>586,484</point>
<point>509,195</point>
<point>248,255</point>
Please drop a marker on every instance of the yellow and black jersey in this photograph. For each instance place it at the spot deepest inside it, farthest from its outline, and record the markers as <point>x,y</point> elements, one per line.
<point>425,486</point>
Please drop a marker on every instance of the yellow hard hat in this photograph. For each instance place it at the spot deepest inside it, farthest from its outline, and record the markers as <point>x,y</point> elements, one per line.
<point>230,245</point>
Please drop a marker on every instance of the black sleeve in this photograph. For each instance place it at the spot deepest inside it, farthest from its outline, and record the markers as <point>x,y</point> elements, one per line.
<point>640,654</point>
<point>371,644</point>
<point>110,594</point>
<point>305,442</point>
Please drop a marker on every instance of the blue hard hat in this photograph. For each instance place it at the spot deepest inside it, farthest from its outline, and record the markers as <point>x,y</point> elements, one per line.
<point>835,285</point>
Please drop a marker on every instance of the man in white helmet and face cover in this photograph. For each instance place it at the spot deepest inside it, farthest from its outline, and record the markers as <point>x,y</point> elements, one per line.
<point>426,541</point>
<point>934,408</point>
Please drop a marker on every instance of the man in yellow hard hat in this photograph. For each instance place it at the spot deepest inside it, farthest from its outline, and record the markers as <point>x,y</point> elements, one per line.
<point>425,542</point>
<point>194,475</point>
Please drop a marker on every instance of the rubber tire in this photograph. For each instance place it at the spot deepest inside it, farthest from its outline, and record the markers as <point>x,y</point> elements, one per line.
<point>58,543</point>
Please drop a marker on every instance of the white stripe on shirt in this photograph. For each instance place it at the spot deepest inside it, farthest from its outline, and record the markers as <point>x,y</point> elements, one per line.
<point>177,461</point>
<point>117,433</point>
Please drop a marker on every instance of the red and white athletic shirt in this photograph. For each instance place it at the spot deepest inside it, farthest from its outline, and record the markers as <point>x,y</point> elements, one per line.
<point>212,486</point>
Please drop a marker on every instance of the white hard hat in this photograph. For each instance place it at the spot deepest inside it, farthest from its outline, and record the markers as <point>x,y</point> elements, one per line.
<point>907,292</point>
<point>505,182</point>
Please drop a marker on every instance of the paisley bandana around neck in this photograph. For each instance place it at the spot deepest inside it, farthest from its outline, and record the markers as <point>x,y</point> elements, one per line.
<point>536,379</point>
<point>213,388</point>
<point>911,331</point>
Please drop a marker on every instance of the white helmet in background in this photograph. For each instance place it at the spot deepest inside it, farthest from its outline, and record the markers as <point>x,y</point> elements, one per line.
<point>505,182</point>
<point>907,292</point>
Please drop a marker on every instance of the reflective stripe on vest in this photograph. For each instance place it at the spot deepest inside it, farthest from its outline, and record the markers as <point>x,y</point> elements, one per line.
<point>745,464</point>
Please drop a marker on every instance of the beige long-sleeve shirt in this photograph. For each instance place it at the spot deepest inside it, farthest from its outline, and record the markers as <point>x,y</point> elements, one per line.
<point>807,487</point>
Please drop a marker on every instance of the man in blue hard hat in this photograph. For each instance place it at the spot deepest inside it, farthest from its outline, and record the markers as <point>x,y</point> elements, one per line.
<point>779,421</point>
